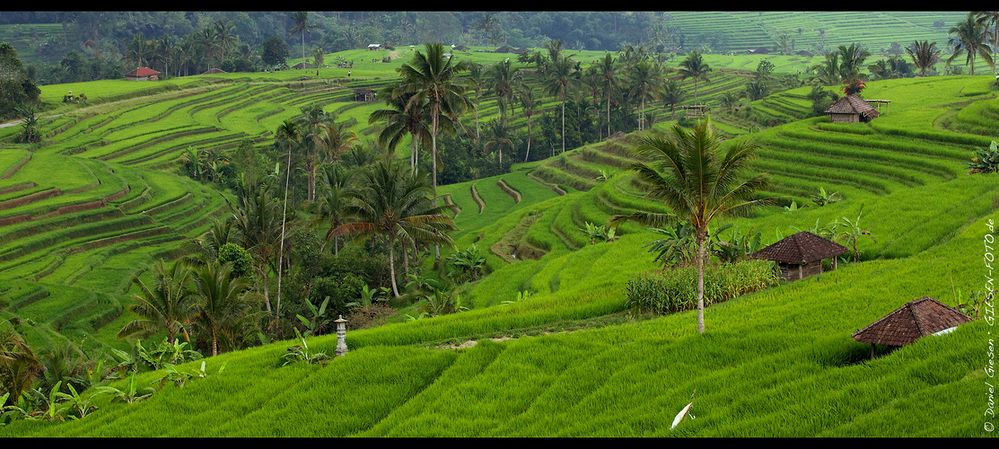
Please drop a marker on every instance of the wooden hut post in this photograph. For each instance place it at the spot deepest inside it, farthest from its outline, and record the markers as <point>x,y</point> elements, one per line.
<point>801,272</point>
<point>835,262</point>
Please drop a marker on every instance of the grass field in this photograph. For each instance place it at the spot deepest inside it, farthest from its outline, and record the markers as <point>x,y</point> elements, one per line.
<point>100,200</point>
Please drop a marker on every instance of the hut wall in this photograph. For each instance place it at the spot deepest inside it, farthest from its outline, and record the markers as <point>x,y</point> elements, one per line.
<point>848,118</point>
<point>794,272</point>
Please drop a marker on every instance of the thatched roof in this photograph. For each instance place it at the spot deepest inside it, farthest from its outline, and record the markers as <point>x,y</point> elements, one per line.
<point>924,316</point>
<point>800,248</point>
<point>852,104</point>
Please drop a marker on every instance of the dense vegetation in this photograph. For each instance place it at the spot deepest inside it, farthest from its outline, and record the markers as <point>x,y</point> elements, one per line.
<point>166,241</point>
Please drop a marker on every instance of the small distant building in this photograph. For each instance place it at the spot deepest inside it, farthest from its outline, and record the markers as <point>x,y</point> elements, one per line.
<point>364,94</point>
<point>213,71</point>
<point>143,74</point>
<point>459,47</point>
<point>304,65</point>
<point>801,254</point>
<point>906,324</point>
<point>374,46</point>
<point>852,109</point>
<point>694,110</point>
<point>804,53</point>
<point>759,51</point>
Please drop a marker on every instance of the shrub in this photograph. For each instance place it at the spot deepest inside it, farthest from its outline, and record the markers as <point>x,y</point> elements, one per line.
<point>240,258</point>
<point>676,290</point>
<point>343,291</point>
<point>468,264</point>
<point>986,160</point>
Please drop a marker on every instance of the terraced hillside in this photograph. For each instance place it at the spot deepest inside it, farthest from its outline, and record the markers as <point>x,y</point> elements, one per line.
<point>741,31</point>
<point>93,206</point>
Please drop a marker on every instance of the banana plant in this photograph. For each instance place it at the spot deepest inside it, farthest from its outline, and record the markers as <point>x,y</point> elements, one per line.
<point>302,353</point>
<point>313,325</point>
<point>77,407</point>
<point>823,198</point>
<point>131,394</point>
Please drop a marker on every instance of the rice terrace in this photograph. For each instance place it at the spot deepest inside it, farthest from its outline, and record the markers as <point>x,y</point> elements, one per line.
<point>466,224</point>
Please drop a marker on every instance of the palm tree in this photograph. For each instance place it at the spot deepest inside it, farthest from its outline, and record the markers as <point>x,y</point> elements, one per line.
<point>257,220</point>
<point>503,78</point>
<point>138,49</point>
<point>393,203</point>
<point>851,61</point>
<point>827,72</point>
<point>528,105</point>
<point>166,48</point>
<point>672,95</point>
<point>325,140</point>
<point>609,83</point>
<point>335,198</point>
<point>690,175</point>
<point>990,19</point>
<point>694,67</point>
<point>300,24</point>
<point>220,233</point>
<point>560,73</point>
<point>209,46</point>
<point>223,310</point>
<point>320,57</point>
<point>645,84</point>
<point>168,305</point>
<point>18,364</point>
<point>433,81</point>
<point>970,37</point>
<point>500,138</point>
<point>224,37</point>
<point>924,55</point>
<point>401,120</point>
<point>290,137</point>
<point>475,83</point>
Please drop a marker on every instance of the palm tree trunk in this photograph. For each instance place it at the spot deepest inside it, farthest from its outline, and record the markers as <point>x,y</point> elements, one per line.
<point>312,179</point>
<point>336,246</point>
<point>608,117</point>
<point>641,123</point>
<point>433,163</point>
<point>700,280</point>
<point>267,287</point>
<point>303,44</point>
<point>475,109</point>
<point>395,287</point>
<point>563,125</point>
<point>284,217</point>
<point>528,155</point>
<point>215,344</point>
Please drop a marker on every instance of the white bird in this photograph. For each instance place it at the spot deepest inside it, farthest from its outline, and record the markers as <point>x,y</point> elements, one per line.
<point>683,413</point>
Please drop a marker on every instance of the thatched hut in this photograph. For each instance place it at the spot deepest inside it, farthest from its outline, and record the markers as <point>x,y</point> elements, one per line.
<point>364,94</point>
<point>801,254</point>
<point>851,109</point>
<point>906,324</point>
<point>694,110</point>
<point>143,74</point>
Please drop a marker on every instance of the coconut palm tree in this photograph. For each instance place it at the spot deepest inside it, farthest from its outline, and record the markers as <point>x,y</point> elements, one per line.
<point>258,220</point>
<point>224,37</point>
<point>500,138</point>
<point>208,45</point>
<point>690,174</point>
<point>320,58</point>
<point>827,72</point>
<point>300,25</point>
<point>924,55</point>
<point>503,79</point>
<point>395,204</point>
<point>529,105</point>
<point>609,84</point>
<point>991,21</point>
<point>400,121</point>
<point>324,141</point>
<point>433,81</point>
<point>851,60</point>
<point>475,84</point>
<point>18,364</point>
<point>672,95</point>
<point>335,197</point>
<point>646,81</point>
<point>223,311</point>
<point>970,37</point>
<point>695,68</point>
<point>289,136</point>
<point>168,305</point>
<point>560,74</point>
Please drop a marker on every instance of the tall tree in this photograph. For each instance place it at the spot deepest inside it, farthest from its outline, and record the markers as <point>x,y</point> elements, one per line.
<point>395,204</point>
<point>672,94</point>
<point>475,84</point>
<point>827,72</point>
<point>609,83</point>
<point>560,74</point>
<point>503,79</point>
<point>970,37</point>
<point>990,19</point>
<point>223,311</point>
<point>695,68</point>
<point>335,197</point>
<point>225,38</point>
<point>499,138</point>
<point>924,55</point>
<point>434,80</point>
<point>400,120</point>
<point>258,220</point>
<point>289,136</point>
<point>319,56</point>
<point>168,305</point>
<point>646,81</point>
<point>300,25</point>
<point>851,60</point>
<point>689,173</point>
<point>529,105</point>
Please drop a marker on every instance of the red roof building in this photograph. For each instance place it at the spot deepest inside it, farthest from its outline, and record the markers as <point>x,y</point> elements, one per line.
<point>143,74</point>
<point>906,324</point>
